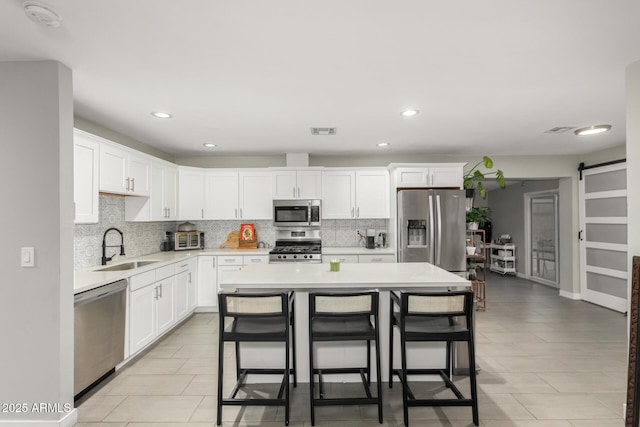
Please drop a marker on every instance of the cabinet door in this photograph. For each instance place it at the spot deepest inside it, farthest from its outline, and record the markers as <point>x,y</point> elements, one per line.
<point>363,259</point>
<point>156,199</point>
<point>412,177</point>
<point>448,176</point>
<point>182,294</point>
<point>372,194</point>
<point>256,200</point>
<point>309,184</point>
<point>139,175</point>
<point>171,192</point>
<point>284,185</point>
<point>113,169</point>
<point>192,286</point>
<point>190,193</point>
<point>338,194</point>
<point>225,271</point>
<point>142,317</point>
<point>86,156</point>
<point>343,258</point>
<point>221,195</point>
<point>207,281</point>
<point>165,310</point>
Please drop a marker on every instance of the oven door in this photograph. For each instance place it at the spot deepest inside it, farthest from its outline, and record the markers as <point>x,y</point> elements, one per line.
<point>296,213</point>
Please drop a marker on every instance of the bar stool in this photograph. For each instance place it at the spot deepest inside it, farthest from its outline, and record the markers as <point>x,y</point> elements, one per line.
<point>433,317</point>
<point>256,317</point>
<point>344,316</point>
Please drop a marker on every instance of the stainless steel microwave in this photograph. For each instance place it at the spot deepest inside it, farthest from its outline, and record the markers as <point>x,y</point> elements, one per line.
<point>297,213</point>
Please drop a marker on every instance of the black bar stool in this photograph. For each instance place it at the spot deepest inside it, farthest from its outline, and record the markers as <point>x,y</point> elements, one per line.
<point>344,316</point>
<point>256,317</point>
<point>433,316</point>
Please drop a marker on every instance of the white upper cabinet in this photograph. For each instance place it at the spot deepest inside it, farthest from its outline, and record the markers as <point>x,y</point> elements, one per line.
<point>238,195</point>
<point>86,157</point>
<point>162,203</point>
<point>221,195</point>
<point>122,171</point>
<point>255,198</point>
<point>191,193</point>
<point>430,175</point>
<point>372,193</point>
<point>338,194</point>
<point>350,194</point>
<point>297,184</point>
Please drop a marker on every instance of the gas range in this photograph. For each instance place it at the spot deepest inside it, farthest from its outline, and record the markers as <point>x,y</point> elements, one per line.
<point>302,245</point>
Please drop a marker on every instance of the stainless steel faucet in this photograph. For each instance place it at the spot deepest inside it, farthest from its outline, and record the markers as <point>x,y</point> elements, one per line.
<point>105,259</point>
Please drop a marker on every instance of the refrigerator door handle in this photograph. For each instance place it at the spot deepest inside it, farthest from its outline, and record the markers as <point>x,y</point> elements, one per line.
<point>431,250</point>
<point>439,221</point>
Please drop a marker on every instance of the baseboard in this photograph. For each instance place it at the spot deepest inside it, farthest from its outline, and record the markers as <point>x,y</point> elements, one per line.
<point>521,275</point>
<point>69,420</point>
<point>570,295</point>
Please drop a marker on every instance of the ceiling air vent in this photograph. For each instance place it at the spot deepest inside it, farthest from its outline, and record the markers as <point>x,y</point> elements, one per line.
<point>323,131</point>
<point>559,129</point>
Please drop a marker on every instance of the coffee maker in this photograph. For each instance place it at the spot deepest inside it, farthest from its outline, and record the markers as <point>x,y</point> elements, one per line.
<point>371,238</point>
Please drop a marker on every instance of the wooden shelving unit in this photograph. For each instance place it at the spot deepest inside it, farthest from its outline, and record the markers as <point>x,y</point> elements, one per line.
<point>478,240</point>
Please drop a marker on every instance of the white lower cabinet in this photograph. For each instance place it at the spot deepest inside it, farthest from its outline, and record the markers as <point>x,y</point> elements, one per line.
<point>224,271</point>
<point>142,317</point>
<point>207,283</point>
<point>165,302</point>
<point>185,288</point>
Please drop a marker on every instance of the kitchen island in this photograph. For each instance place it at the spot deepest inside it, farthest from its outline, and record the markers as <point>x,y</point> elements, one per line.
<point>303,278</point>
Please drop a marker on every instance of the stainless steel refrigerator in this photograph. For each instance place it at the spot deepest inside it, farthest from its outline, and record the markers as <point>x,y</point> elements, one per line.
<point>431,228</point>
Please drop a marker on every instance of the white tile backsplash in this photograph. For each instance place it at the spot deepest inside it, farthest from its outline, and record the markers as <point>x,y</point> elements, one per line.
<point>142,238</point>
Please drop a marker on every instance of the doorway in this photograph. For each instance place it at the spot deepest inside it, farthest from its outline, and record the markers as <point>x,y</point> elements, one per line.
<point>541,237</point>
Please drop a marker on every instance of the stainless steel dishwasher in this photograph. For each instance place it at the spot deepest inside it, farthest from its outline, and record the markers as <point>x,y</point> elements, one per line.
<point>99,333</point>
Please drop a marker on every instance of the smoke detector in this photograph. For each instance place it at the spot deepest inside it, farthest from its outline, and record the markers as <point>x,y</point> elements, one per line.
<point>42,14</point>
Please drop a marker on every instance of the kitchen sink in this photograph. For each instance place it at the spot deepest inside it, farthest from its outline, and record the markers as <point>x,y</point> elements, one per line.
<point>127,265</point>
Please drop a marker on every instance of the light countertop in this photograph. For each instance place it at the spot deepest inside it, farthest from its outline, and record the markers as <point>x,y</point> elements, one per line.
<point>91,278</point>
<point>317,276</point>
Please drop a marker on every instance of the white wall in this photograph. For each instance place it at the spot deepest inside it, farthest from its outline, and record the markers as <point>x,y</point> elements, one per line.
<point>36,304</point>
<point>633,162</point>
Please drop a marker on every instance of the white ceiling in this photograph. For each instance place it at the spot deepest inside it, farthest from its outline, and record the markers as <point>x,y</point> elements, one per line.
<point>253,76</point>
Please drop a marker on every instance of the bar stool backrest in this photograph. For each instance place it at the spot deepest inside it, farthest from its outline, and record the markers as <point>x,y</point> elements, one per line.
<point>437,304</point>
<point>253,304</point>
<point>334,304</point>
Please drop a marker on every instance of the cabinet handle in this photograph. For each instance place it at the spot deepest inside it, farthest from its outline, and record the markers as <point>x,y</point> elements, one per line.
<point>168,212</point>
<point>240,212</point>
<point>128,183</point>
<point>236,212</point>
<point>156,295</point>
<point>189,277</point>
<point>214,262</point>
<point>294,192</point>
<point>202,213</point>
<point>351,212</point>
<point>376,259</point>
<point>160,291</point>
<point>298,191</point>
<point>133,184</point>
<point>184,265</point>
<point>358,212</point>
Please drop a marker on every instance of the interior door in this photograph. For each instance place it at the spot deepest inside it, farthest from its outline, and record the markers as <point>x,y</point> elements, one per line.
<point>542,237</point>
<point>603,236</point>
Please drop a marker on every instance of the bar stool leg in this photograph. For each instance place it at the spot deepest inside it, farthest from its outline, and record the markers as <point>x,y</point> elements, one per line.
<point>220,372</point>
<point>369,362</point>
<point>405,384</point>
<point>448,362</point>
<point>473,383</point>
<point>311,383</point>
<point>286,378</point>
<point>378,373</point>
<point>391,344</point>
<point>293,343</point>
<point>237,361</point>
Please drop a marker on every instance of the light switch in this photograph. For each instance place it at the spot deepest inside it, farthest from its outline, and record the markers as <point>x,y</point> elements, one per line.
<point>27,258</point>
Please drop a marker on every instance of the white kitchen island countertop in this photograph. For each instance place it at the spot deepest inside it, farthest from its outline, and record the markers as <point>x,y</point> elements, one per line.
<point>383,276</point>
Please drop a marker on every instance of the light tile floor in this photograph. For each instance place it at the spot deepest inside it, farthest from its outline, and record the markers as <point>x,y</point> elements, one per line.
<point>545,361</point>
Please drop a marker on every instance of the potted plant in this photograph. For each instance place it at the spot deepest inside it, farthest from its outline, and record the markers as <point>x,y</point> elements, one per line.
<point>471,248</point>
<point>478,217</point>
<point>474,177</point>
<point>471,271</point>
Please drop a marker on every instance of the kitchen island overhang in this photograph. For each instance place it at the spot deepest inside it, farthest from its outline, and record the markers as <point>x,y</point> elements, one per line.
<point>304,278</point>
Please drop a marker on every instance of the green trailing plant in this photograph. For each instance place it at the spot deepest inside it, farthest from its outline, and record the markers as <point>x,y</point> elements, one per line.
<point>479,215</point>
<point>474,177</point>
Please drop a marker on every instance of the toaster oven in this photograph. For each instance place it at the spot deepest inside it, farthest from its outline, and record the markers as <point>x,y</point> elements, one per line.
<point>185,240</point>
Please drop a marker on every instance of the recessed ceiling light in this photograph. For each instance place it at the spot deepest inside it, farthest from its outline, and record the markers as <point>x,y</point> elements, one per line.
<point>592,130</point>
<point>409,113</point>
<point>383,144</point>
<point>161,115</point>
<point>209,145</point>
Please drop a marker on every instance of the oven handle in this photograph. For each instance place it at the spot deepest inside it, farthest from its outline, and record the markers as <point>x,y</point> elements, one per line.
<point>309,212</point>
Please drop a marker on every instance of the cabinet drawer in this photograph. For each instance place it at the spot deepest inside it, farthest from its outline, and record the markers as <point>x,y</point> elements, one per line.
<point>141,280</point>
<point>185,265</point>
<point>377,258</point>
<point>230,260</point>
<point>166,271</point>
<point>326,259</point>
<point>255,259</point>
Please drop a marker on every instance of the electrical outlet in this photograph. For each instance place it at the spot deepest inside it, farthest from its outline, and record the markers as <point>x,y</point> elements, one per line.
<point>358,234</point>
